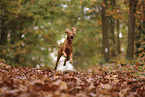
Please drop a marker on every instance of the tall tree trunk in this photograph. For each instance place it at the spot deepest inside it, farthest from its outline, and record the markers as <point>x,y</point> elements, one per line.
<point>141,30</point>
<point>118,39</point>
<point>143,24</point>
<point>112,27</point>
<point>131,29</point>
<point>3,32</point>
<point>105,40</point>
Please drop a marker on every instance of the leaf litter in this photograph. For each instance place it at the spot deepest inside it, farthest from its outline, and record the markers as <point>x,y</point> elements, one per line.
<point>101,82</point>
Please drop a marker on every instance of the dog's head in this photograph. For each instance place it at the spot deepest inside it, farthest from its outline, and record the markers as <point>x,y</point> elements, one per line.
<point>71,34</point>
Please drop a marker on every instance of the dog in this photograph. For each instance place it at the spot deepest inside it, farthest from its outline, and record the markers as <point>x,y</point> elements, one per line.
<point>67,48</point>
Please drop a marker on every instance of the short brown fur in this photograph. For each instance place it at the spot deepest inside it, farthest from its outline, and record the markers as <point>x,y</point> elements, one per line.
<point>67,48</point>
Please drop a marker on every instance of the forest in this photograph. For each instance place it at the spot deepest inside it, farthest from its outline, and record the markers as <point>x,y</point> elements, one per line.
<point>108,48</point>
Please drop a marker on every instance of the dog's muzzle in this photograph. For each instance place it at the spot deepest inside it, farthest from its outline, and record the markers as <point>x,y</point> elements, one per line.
<point>71,37</point>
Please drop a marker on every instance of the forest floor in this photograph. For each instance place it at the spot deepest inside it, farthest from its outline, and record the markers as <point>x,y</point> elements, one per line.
<point>113,80</point>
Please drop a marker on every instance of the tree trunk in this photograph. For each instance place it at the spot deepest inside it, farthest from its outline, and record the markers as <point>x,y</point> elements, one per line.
<point>143,24</point>
<point>118,39</point>
<point>3,32</point>
<point>113,45</point>
<point>112,27</point>
<point>131,29</point>
<point>105,40</point>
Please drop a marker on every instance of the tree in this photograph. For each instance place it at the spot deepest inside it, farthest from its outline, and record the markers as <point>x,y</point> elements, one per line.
<point>3,18</point>
<point>131,29</point>
<point>118,39</point>
<point>112,29</point>
<point>105,41</point>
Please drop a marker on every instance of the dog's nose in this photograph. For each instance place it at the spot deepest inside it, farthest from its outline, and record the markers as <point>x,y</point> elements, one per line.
<point>71,37</point>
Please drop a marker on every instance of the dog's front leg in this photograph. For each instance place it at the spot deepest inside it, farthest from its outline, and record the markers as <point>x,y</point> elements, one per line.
<point>71,57</point>
<point>64,53</point>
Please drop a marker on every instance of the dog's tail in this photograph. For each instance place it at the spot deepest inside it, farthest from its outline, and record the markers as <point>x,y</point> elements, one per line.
<point>55,45</point>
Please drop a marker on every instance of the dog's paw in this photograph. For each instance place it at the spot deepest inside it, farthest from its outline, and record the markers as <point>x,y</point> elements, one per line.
<point>64,64</point>
<point>71,61</point>
<point>65,55</point>
<point>55,68</point>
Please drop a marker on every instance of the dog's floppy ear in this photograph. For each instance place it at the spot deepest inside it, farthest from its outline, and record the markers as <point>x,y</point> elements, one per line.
<point>74,30</point>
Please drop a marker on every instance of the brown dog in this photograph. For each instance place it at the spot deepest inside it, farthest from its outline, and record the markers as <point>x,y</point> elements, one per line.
<point>67,48</point>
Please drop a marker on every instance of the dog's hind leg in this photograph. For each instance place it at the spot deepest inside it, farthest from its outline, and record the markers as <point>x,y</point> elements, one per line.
<point>58,57</point>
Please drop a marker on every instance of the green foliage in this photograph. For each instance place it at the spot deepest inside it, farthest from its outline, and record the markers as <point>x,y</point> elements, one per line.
<point>32,26</point>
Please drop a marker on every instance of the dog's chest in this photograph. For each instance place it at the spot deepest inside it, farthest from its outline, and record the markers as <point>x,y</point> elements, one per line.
<point>69,47</point>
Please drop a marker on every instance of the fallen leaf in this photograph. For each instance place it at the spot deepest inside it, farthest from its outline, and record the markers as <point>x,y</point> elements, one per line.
<point>61,84</point>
